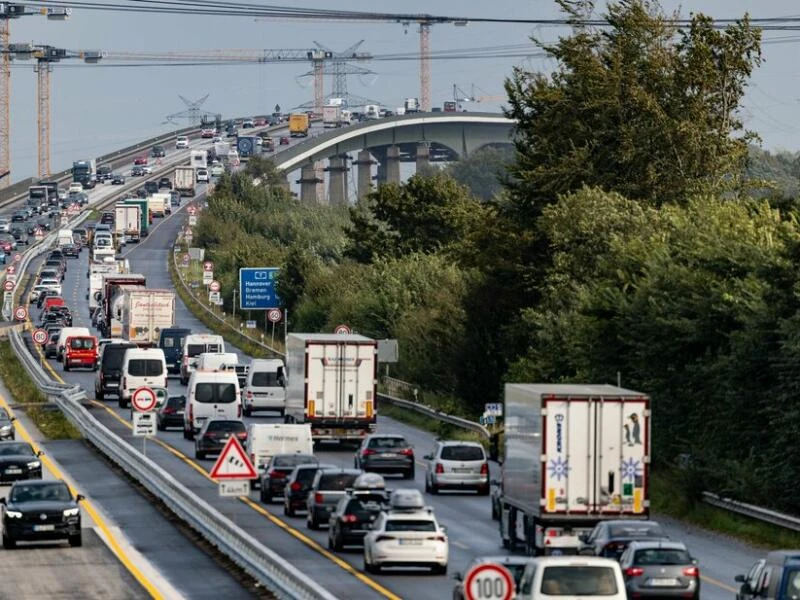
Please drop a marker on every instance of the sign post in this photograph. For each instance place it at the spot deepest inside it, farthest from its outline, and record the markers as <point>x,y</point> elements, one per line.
<point>488,581</point>
<point>143,401</point>
<point>273,316</point>
<point>233,470</point>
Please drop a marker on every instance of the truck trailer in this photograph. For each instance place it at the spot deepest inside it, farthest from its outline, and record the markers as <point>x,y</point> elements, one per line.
<point>331,116</point>
<point>114,285</point>
<point>574,455</point>
<point>298,125</point>
<point>127,222</point>
<point>143,313</point>
<point>184,180</point>
<point>332,384</point>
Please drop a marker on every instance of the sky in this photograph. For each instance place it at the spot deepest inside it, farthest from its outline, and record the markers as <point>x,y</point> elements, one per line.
<point>97,108</point>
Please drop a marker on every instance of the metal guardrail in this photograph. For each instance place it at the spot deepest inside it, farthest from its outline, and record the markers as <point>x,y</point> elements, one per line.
<point>754,512</point>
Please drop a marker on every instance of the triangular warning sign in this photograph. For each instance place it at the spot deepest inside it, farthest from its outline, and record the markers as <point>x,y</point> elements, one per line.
<point>233,463</point>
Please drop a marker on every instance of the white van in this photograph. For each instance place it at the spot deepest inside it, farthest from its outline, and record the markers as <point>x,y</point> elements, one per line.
<point>549,577</point>
<point>265,440</point>
<point>65,237</point>
<point>210,395</point>
<point>217,361</point>
<point>194,345</point>
<point>265,386</point>
<point>68,332</point>
<point>141,367</point>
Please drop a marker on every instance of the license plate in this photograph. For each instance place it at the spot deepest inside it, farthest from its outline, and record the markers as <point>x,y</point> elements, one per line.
<point>13,470</point>
<point>44,527</point>
<point>462,470</point>
<point>410,542</point>
<point>663,582</point>
<point>389,455</point>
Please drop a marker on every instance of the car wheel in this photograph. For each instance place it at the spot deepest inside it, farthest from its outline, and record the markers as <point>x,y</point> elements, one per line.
<point>122,403</point>
<point>76,541</point>
<point>160,426</point>
<point>265,497</point>
<point>185,434</point>
<point>184,381</point>
<point>439,569</point>
<point>311,521</point>
<point>337,543</point>
<point>433,488</point>
<point>9,543</point>
<point>409,474</point>
<point>247,412</point>
<point>199,455</point>
<point>66,367</point>
<point>483,490</point>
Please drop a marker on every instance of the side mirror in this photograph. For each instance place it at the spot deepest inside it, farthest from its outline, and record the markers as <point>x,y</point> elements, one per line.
<point>428,457</point>
<point>739,579</point>
<point>2,500</point>
<point>79,497</point>
<point>443,528</point>
<point>695,562</point>
<point>458,576</point>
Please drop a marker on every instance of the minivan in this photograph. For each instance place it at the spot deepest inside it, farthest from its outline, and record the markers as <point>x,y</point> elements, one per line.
<point>570,577</point>
<point>210,395</point>
<point>68,332</point>
<point>775,578</point>
<point>217,361</point>
<point>194,345</point>
<point>141,367</point>
<point>265,387</point>
<point>109,372</point>
<point>170,340</point>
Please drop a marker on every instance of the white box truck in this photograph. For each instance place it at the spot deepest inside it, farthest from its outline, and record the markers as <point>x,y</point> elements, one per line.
<point>265,440</point>
<point>144,313</point>
<point>199,159</point>
<point>331,116</point>
<point>64,237</point>
<point>574,454</point>
<point>127,222</point>
<point>158,204</point>
<point>109,266</point>
<point>332,384</point>
<point>184,180</point>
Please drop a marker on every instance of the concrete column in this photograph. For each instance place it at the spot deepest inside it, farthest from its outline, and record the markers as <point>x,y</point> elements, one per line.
<point>393,164</point>
<point>337,180</point>
<point>364,162</point>
<point>423,156</point>
<point>380,156</point>
<point>308,184</point>
<point>319,170</point>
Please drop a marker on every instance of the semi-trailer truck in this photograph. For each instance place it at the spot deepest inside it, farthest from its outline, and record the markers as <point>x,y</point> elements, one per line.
<point>298,125</point>
<point>185,180</point>
<point>143,313</point>
<point>127,222</point>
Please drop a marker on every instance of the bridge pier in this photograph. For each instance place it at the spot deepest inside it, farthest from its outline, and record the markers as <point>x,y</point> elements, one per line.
<point>393,164</point>
<point>423,156</point>
<point>364,162</point>
<point>308,184</point>
<point>337,180</point>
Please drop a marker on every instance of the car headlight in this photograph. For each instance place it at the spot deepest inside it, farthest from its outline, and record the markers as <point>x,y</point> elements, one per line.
<point>34,464</point>
<point>71,512</point>
<point>13,514</point>
<point>5,428</point>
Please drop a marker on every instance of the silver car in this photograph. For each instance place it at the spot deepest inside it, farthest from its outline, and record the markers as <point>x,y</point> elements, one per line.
<point>660,569</point>
<point>329,486</point>
<point>457,465</point>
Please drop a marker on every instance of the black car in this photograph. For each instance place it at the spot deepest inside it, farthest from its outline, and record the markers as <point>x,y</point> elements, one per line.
<point>610,538</point>
<point>214,435</point>
<point>63,312</point>
<point>137,171</point>
<point>353,516</point>
<point>20,235</point>
<point>54,319</point>
<point>277,471</point>
<point>19,217</point>
<point>158,152</point>
<point>87,181</point>
<point>51,347</point>
<point>298,484</point>
<point>107,218</point>
<point>7,431</point>
<point>41,510</point>
<point>165,183</point>
<point>151,187</point>
<point>43,224</point>
<point>109,371</point>
<point>71,250</point>
<point>18,460</point>
<point>386,453</point>
<point>141,192</point>
<point>170,414</point>
<point>103,173</point>
<point>175,198</point>
<point>117,179</point>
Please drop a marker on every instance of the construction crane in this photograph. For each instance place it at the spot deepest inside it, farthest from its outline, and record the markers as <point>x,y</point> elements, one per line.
<point>45,56</point>
<point>10,11</point>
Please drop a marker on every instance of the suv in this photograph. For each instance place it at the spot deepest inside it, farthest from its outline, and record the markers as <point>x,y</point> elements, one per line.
<point>356,512</point>
<point>109,372</point>
<point>181,142</point>
<point>158,152</point>
<point>298,484</point>
<point>151,187</point>
<point>327,489</point>
<point>457,465</point>
<point>387,453</point>
<point>776,577</point>
<point>202,175</point>
<point>277,471</point>
<point>571,577</point>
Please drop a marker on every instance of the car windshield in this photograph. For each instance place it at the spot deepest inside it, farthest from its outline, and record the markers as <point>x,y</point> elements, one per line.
<point>4,415</point>
<point>462,453</point>
<point>177,402</point>
<point>52,492</point>
<point>215,393</point>
<point>196,349</point>
<point>336,481</point>
<point>227,426</point>
<point>574,580</point>
<point>145,367</point>
<point>366,505</point>
<point>636,530</point>
<point>410,525</point>
<point>113,356</point>
<point>16,449</point>
<point>265,379</point>
<point>662,556</point>
<point>292,460</point>
<point>387,442</point>
<point>81,343</point>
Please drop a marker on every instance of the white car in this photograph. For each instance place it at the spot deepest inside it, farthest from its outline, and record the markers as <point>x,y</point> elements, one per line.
<point>37,289</point>
<point>216,139</point>
<point>50,284</point>
<point>572,577</point>
<point>202,175</point>
<point>181,142</point>
<point>76,187</point>
<point>217,169</point>
<point>5,225</point>
<point>147,170</point>
<point>407,535</point>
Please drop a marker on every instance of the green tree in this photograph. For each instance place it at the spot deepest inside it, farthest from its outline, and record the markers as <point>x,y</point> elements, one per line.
<point>484,171</point>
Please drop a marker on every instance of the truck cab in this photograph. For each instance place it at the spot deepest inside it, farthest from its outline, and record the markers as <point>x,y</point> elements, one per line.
<point>80,351</point>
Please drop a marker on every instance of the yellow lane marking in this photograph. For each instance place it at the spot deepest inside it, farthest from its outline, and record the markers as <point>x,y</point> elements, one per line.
<point>89,507</point>
<point>719,584</point>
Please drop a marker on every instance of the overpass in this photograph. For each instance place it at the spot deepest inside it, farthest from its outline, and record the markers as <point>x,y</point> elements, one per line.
<point>380,141</point>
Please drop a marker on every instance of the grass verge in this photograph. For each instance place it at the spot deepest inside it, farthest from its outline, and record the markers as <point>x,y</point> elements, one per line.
<point>50,421</point>
<point>420,421</point>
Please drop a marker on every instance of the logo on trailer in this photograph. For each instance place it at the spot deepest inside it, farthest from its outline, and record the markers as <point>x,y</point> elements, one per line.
<point>631,469</point>
<point>559,468</point>
<point>559,433</point>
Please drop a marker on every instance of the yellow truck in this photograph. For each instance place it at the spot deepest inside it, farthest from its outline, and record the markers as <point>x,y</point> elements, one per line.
<point>298,125</point>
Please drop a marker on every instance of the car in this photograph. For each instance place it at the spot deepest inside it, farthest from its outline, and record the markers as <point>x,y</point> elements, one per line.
<point>75,187</point>
<point>137,171</point>
<point>657,569</point>
<point>20,235</point>
<point>158,152</point>
<point>117,179</point>
<point>260,122</point>
<point>103,173</point>
<point>50,273</point>
<point>181,142</point>
<point>170,413</point>
<point>274,120</point>
<point>326,490</point>
<point>18,460</point>
<point>165,183</point>
<point>298,485</point>
<point>214,435</point>
<point>513,564</point>
<point>216,170</point>
<point>62,312</point>
<point>175,198</point>
<point>140,160</point>
<point>82,198</point>
<point>51,346</point>
<point>6,246</point>
<point>386,453</point>
<point>35,291</point>
<point>19,217</point>
<point>610,538</point>
<point>52,284</point>
<point>141,192</point>
<point>457,465</point>
<point>41,510</point>
<point>248,124</point>
<point>71,250</point>
<point>146,170</point>
<point>201,175</point>
<point>407,535</point>
<point>355,513</point>
<point>43,224</point>
<point>284,140</point>
<point>208,133</point>
<point>151,187</point>
<point>7,429</point>
<point>277,470</point>
<point>572,577</point>
<point>216,139</point>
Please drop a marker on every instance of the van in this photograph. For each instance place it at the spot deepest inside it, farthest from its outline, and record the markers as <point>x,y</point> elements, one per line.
<point>217,361</point>
<point>66,333</point>
<point>210,395</point>
<point>572,577</point>
<point>170,340</point>
<point>52,301</point>
<point>141,367</point>
<point>775,578</point>
<point>265,387</point>
<point>265,440</point>
<point>193,346</point>
<point>109,373</point>
<point>80,351</point>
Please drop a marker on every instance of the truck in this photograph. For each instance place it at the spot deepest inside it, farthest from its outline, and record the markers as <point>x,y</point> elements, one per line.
<point>450,107</point>
<point>39,196</point>
<point>246,145</point>
<point>221,150</point>
<point>331,116</point>
<point>332,384</point>
<point>84,170</point>
<point>143,313</point>
<point>574,455</point>
<point>347,117</point>
<point>113,288</point>
<point>198,158</point>
<point>64,238</point>
<point>52,197</point>
<point>411,105</point>
<point>298,125</point>
<point>372,112</point>
<point>144,214</point>
<point>127,222</point>
<point>109,266</point>
<point>184,180</point>
<point>158,204</point>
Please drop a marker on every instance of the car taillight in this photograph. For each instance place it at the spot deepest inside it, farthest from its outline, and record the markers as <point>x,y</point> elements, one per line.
<point>242,435</point>
<point>437,538</point>
<point>691,572</point>
<point>484,469</point>
<point>439,468</point>
<point>273,474</point>
<point>349,519</point>
<point>209,435</point>
<point>296,486</point>
<point>407,452</point>
<point>634,571</point>
<point>191,414</point>
<point>317,498</point>
<point>367,452</point>
<point>169,410</point>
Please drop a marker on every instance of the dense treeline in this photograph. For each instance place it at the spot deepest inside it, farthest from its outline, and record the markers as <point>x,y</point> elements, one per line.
<point>624,239</point>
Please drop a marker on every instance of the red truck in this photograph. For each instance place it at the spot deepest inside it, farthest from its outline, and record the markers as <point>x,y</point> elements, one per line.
<point>81,352</point>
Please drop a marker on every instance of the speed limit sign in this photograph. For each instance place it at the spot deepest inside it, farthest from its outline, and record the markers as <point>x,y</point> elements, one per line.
<point>274,315</point>
<point>489,581</point>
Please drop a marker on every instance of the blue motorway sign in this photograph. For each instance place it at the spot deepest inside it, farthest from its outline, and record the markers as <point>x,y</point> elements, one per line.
<point>257,288</point>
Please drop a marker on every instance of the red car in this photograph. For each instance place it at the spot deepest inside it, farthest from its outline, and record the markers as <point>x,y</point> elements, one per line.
<point>140,160</point>
<point>259,122</point>
<point>284,140</point>
<point>208,133</point>
<point>6,246</point>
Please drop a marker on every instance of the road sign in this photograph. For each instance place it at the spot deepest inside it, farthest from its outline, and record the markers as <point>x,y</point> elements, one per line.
<point>40,337</point>
<point>488,581</point>
<point>487,420</point>
<point>144,424</point>
<point>11,269</point>
<point>38,234</point>
<point>20,313</point>
<point>274,315</point>
<point>234,488</point>
<point>257,288</point>
<point>494,409</point>
<point>214,298</point>
<point>17,257</point>
<point>208,266</point>
<point>233,463</point>
<point>143,399</point>
<point>250,324</point>
<point>192,223</point>
<point>191,210</point>
<point>8,285</point>
<point>214,286</point>
<point>208,277</point>
<point>342,330</point>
